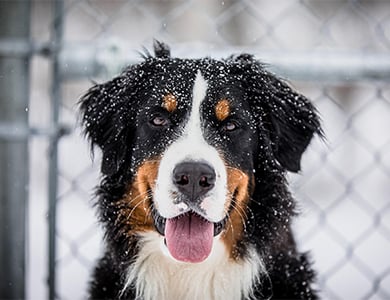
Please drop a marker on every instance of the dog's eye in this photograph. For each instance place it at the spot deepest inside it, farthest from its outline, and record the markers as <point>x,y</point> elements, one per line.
<point>159,121</point>
<point>230,126</point>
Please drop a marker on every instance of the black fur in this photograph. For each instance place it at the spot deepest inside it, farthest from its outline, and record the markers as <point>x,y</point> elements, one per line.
<point>276,126</point>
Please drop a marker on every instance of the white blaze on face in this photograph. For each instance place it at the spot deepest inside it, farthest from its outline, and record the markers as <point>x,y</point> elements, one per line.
<point>191,146</point>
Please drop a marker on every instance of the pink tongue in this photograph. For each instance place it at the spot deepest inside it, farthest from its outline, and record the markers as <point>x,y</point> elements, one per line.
<point>189,237</point>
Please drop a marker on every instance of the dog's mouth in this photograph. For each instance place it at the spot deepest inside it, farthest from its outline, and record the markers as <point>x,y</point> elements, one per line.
<point>189,236</point>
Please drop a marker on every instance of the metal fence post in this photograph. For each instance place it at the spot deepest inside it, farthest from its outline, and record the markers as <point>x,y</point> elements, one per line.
<point>14,91</point>
<point>53,159</point>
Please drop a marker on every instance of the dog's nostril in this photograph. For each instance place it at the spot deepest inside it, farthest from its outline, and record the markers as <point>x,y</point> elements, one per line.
<point>203,182</point>
<point>183,180</point>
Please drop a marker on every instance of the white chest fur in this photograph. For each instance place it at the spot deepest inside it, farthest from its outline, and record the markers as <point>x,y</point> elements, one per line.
<point>157,276</point>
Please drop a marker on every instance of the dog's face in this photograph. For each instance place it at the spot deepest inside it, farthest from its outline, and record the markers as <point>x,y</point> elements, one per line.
<point>207,138</point>
<point>189,141</point>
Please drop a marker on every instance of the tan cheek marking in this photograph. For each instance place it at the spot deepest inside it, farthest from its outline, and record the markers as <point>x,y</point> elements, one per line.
<point>238,185</point>
<point>170,102</point>
<point>222,109</point>
<point>134,209</point>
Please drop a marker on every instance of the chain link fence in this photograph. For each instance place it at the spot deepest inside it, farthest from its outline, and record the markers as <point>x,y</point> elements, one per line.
<point>335,52</point>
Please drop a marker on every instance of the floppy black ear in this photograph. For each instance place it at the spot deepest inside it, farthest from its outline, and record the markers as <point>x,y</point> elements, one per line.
<point>289,117</point>
<point>294,121</point>
<point>105,117</point>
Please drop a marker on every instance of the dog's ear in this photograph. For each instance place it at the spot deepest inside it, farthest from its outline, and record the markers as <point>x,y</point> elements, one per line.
<point>294,121</point>
<point>106,114</point>
<point>288,116</point>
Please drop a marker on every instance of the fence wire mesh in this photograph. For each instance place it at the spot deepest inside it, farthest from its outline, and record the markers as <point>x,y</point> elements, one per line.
<point>344,187</point>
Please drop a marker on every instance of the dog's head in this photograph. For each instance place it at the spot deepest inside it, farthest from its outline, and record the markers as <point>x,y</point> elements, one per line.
<point>186,141</point>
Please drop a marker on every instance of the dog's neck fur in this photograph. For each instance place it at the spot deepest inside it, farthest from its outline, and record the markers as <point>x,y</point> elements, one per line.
<point>155,275</point>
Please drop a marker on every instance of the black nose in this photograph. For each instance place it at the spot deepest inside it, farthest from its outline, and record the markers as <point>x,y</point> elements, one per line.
<point>194,179</point>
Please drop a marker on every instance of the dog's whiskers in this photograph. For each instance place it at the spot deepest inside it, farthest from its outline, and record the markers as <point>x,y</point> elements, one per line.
<point>145,196</point>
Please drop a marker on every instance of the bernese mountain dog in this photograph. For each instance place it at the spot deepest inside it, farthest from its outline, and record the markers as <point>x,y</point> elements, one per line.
<point>193,195</point>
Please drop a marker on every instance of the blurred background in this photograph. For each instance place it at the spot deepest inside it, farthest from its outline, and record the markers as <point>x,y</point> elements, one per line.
<point>335,52</point>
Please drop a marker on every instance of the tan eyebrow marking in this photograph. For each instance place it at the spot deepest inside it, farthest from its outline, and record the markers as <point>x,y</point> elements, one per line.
<point>170,102</point>
<point>222,109</point>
